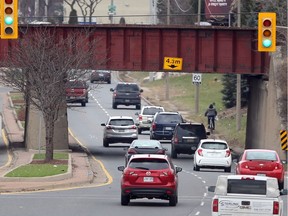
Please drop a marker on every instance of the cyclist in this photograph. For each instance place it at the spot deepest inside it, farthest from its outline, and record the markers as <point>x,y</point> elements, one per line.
<point>211,112</point>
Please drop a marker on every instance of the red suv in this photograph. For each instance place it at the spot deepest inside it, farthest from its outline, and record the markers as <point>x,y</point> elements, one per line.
<point>149,176</point>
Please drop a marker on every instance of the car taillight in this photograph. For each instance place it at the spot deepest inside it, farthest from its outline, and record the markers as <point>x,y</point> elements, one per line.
<point>153,126</point>
<point>131,151</point>
<point>228,152</point>
<point>200,152</point>
<point>215,205</point>
<point>140,117</point>
<point>275,208</point>
<point>114,94</point>
<point>176,140</point>
<point>133,127</point>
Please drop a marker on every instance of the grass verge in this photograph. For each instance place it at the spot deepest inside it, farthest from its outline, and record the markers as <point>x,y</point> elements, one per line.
<point>39,169</point>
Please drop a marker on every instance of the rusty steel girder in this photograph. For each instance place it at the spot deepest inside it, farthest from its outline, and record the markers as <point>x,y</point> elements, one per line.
<point>143,47</point>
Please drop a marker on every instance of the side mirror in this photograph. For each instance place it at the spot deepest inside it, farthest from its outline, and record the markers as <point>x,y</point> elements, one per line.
<point>149,121</point>
<point>208,133</point>
<point>121,168</point>
<point>141,90</point>
<point>137,124</point>
<point>137,113</point>
<point>284,161</point>
<point>178,169</point>
<point>102,124</point>
<point>111,89</point>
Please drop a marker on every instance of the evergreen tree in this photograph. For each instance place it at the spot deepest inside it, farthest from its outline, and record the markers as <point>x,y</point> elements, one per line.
<point>229,91</point>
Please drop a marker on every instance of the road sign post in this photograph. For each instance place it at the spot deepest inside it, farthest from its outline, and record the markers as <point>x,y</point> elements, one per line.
<point>196,79</point>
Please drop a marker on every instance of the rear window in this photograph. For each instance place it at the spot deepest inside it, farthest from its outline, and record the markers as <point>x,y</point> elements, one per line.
<point>121,122</point>
<point>76,84</point>
<point>214,145</point>
<point>127,88</point>
<point>169,118</point>
<point>151,110</point>
<point>251,155</point>
<point>247,186</point>
<point>149,164</point>
<point>191,131</point>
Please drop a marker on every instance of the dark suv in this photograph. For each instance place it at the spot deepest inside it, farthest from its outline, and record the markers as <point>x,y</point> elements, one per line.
<point>186,138</point>
<point>126,94</point>
<point>163,125</point>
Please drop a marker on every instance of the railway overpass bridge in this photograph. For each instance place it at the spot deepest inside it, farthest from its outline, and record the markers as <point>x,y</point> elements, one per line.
<point>202,49</point>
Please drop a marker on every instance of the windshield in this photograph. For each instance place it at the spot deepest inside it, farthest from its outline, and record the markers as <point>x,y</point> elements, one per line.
<point>149,164</point>
<point>121,122</point>
<point>261,155</point>
<point>246,186</point>
<point>151,110</point>
<point>127,88</point>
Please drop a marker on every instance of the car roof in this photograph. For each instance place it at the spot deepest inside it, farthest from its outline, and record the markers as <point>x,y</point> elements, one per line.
<point>169,113</point>
<point>154,156</point>
<point>125,83</point>
<point>153,107</point>
<point>263,150</point>
<point>120,117</point>
<point>189,123</point>
<point>213,140</point>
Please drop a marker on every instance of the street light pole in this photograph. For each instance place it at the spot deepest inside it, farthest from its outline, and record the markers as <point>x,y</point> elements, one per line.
<point>167,73</point>
<point>238,90</point>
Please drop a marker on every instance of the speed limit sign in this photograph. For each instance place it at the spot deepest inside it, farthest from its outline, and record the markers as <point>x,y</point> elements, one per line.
<point>196,78</point>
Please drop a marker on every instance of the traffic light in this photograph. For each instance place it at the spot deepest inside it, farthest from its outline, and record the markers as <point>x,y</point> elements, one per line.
<point>9,19</point>
<point>267,32</point>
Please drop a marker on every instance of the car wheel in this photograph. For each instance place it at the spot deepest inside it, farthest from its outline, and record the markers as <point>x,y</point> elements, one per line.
<point>139,130</point>
<point>227,169</point>
<point>114,106</point>
<point>138,106</point>
<point>196,167</point>
<point>105,143</point>
<point>173,200</point>
<point>125,199</point>
<point>83,104</point>
<point>173,153</point>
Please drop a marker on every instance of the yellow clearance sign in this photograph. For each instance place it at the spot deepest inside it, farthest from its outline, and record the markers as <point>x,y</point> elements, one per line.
<point>283,137</point>
<point>171,63</point>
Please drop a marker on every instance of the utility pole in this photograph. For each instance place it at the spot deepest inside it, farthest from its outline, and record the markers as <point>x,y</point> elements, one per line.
<point>197,84</point>
<point>167,73</point>
<point>238,90</point>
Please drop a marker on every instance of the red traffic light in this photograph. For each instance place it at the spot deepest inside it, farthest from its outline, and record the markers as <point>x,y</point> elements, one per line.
<point>267,23</point>
<point>8,1</point>
<point>8,10</point>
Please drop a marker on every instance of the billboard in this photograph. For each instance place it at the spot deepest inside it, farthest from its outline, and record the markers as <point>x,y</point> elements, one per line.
<point>217,9</point>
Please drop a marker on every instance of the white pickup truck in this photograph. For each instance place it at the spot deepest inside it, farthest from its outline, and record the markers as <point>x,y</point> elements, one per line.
<point>241,195</point>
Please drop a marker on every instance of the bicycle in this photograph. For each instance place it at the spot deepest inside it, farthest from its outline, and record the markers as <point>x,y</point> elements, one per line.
<point>211,125</point>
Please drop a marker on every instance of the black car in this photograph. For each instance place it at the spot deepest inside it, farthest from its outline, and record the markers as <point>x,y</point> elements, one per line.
<point>163,125</point>
<point>101,76</point>
<point>144,146</point>
<point>186,138</point>
<point>126,94</point>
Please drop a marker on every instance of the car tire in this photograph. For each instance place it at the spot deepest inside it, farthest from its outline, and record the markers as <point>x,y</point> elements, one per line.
<point>227,169</point>
<point>105,143</point>
<point>114,106</point>
<point>139,130</point>
<point>173,153</point>
<point>173,200</point>
<point>125,199</point>
<point>196,167</point>
<point>83,104</point>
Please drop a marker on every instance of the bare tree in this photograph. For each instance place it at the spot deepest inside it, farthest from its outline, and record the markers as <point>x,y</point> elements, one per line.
<point>87,8</point>
<point>39,66</point>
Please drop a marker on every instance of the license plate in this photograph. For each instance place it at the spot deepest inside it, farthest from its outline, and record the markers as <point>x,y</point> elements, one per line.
<point>261,174</point>
<point>72,97</point>
<point>168,128</point>
<point>121,130</point>
<point>127,100</point>
<point>148,179</point>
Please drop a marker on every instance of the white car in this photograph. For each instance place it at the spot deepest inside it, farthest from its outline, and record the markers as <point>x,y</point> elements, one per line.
<point>213,153</point>
<point>145,117</point>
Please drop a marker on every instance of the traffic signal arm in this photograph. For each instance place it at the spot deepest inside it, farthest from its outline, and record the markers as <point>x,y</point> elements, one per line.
<point>267,32</point>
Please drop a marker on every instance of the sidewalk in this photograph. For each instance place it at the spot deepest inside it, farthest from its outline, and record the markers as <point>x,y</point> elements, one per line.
<point>83,170</point>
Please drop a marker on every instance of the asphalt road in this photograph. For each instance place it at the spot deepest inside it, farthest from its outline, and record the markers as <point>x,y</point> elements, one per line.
<point>194,199</point>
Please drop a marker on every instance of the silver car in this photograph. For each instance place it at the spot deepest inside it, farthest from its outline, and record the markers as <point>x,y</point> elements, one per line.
<point>145,117</point>
<point>119,129</point>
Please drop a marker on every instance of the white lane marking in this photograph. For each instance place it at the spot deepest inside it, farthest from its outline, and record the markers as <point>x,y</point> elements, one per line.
<point>202,203</point>
<point>197,213</point>
<point>98,103</point>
